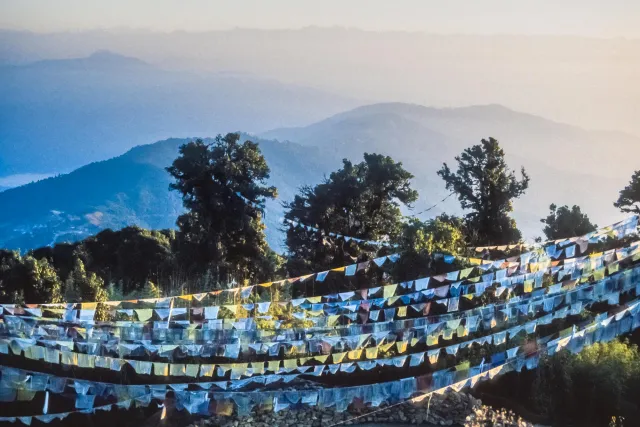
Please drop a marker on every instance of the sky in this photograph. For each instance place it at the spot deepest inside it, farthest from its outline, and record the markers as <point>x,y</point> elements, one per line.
<point>592,18</point>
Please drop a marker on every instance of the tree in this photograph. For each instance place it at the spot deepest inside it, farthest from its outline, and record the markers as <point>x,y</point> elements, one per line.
<point>629,200</point>
<point>485,185</point>
<point>224,189</point>
<point>87,287</point>
<point>45,285</point>
<point>130,256</point>
<point>90,287</point>
<point>563,222</point>
<point>35,280</point>
<point>361,200</point>
<point>420,240</point>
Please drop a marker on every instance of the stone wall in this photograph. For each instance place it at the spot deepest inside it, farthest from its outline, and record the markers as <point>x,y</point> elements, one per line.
<point>450,409</point>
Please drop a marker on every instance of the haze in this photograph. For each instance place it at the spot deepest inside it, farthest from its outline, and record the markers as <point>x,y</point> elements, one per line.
<point>87,81</point>
<point>595,18</point>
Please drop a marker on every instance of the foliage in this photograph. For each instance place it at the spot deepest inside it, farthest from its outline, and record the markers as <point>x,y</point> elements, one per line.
<point>485,185</point>
<point>419,240</point>
<point>361,200</point>
<point>28,278</point>
<point>629,199</point>
<point>563,222</point>
<point>552,387</point>
<point>592,385</point>
<point>89,287</point>
<point>220,229</point>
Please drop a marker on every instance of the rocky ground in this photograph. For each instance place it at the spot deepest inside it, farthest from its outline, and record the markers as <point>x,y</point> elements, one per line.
<point>451,409</point>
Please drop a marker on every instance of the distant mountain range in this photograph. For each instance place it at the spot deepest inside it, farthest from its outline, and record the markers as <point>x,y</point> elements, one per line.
<point>57,115</point>
<point>134,189</point>
<point>567,165</point>
<point>588,82</point>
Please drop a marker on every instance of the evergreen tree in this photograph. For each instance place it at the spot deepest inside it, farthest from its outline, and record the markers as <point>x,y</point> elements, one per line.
<point>420,240</point>
<point>90,287</point>
<point>87,287</point>
<point>563,222</point>
<point>151,290</point>
<point>486,186</point>
<point>361,200</point>
<point>629,199</point>
<point>35,280</point>
<point>45,281</point>
<point>221,230</point>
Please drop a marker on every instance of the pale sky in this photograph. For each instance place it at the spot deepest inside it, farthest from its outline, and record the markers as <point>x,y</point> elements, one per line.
<point>594,18</point>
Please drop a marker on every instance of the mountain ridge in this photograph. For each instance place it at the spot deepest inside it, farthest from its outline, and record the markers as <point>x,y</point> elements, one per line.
<point>134,186</point>
<point>58,115</point>
<point>133,189</point>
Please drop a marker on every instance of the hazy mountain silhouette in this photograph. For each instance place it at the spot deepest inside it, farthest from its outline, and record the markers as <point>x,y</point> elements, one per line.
<point>588,82</point>
<point>57,115</point>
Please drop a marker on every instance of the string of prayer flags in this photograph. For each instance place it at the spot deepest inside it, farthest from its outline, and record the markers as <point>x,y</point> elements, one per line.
<point>604,329</point>
<point>339,236</point>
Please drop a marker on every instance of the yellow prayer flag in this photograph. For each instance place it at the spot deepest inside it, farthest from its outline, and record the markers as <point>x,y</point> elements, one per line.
<point>528,286</point>
<point>322,358</point>
<point>386,347</point>
<point>401,346</point>
<point>599,274</point>
<point>231,308</point>
<point>465,273</point>
<point>462,331</point>
<point>337,357</point>
<point>389,291</point>
<point>402,311</point>
<point>290,363</point>
<point>355,354</point>
<point>371,353</point>
<point>258,368</point>
<point>273,365</point>
<point>332,320</point>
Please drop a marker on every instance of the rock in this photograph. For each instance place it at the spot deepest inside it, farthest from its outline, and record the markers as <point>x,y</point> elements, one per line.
<point>460,409</point>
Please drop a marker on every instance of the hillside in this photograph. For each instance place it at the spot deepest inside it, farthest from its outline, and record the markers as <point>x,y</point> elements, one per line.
<point>567,164</point>
<point>134,189</point>
<point>58,115</point>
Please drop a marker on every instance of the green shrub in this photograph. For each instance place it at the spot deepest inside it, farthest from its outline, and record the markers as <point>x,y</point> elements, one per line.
<point>590,386</point>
